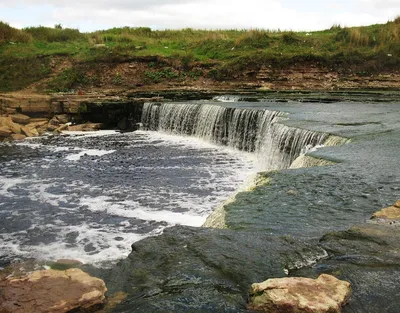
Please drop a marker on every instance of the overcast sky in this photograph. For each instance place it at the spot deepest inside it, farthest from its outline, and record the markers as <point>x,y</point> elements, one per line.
<point>89,15</point>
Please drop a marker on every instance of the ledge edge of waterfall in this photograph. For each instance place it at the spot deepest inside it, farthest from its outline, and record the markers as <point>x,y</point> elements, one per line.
<point>217,218</point>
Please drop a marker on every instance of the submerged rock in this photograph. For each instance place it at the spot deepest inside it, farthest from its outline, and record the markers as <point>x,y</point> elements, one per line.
<point>52,292</point>
<point>300,295</point>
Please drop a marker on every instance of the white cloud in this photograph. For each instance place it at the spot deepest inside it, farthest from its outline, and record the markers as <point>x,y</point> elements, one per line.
<point>210,14</point>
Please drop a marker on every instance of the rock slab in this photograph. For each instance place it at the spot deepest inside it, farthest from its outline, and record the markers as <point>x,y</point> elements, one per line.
<point>51,291</point>
<point>389,213</point>
<point>326,294</point>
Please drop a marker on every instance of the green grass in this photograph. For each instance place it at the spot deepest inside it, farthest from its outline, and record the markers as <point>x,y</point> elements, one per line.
<point>226,52</point>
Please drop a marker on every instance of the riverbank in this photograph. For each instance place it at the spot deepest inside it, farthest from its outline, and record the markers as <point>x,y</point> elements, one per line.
<point>48,60</point>
<point>296,222</point>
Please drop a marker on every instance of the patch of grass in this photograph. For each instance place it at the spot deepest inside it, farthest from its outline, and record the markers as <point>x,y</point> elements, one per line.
<point>160,75</point>
<point>17,73</point>
<point>224,54</point>
<point>68,80</point>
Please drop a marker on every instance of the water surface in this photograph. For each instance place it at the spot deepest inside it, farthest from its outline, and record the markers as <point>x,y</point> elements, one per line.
<point>90,196</point>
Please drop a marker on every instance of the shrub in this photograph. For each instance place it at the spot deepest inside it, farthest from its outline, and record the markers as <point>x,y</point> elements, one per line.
<point>290,38</point>
<point>49,34</point>
<point>8,33</point>
<point>253,39</point>
<point>353,36</point>
<point>336,27</point>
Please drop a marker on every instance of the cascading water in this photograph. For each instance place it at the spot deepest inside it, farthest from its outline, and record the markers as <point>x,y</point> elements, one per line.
<point>250,130</point>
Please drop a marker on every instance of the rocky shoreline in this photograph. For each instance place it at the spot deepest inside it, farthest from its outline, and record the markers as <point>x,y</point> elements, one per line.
<point>211,270</point>
<point>73,289</point>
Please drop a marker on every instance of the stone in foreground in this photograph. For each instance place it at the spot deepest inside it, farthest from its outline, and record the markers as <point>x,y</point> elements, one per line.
<point>326,294</point>
<point>52,292</point>
<point>390,213</point>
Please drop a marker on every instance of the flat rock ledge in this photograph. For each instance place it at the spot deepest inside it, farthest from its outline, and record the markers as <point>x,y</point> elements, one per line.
<point>52,291</point>
<point>326,294</point>
<point>390,214</point>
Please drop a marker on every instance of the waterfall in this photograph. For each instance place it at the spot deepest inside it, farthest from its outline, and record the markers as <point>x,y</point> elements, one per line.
<point>251,130</point>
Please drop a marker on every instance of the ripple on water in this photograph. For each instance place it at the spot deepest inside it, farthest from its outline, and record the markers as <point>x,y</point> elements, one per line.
<point>90,196</point>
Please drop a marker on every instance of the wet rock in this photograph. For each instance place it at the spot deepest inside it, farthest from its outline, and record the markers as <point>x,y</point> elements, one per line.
<point>86,127</point>
<point>202,270</point>
<point>51,291</point>
<point>5,131</point>
<point>20,118</point>
<point>292,192</point>
<point>326,294</point>
<point>18,136</point>
<point>390,213</point>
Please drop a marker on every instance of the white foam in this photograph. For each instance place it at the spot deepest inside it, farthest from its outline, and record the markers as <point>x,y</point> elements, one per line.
<point>132,209</point>
<point>224,170</point>
<point>7,183</point>
<point>91,152</point>
<point>83,134</point>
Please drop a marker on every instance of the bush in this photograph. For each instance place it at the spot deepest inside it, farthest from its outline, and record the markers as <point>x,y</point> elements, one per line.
<point>354,37</point>
<point>253,39</point>
<point>290,38</point>
<point>8,33</point>
<point>49,34</point>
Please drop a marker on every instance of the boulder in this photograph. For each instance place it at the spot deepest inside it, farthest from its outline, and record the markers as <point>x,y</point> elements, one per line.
<point>39,119</point>
<point>52,291</point>
<point>62,127</point>
<point>34,132</point>
<point>51,127</point>
<point>20,118</point>
<point>37,124</point>
<point>62,118</point>
<point>54,121</point>
<point>390,213</point>
<point>16,128</point>
<point>326,294</point>
<point>27,132</point>
<point>86,127</point>
<point>5,131</point>
<point>18,136</point>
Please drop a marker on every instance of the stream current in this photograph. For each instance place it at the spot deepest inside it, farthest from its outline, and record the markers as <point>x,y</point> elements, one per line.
<point>90,196</point>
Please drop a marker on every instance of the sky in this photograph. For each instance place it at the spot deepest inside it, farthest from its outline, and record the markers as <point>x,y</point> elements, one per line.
<point>90,15</point>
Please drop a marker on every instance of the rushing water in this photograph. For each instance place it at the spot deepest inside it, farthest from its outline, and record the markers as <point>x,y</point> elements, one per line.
<point>258,131</point>
<point>89,197</point>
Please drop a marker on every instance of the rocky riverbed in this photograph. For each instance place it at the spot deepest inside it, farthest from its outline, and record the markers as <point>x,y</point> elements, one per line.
<point>298,222</point>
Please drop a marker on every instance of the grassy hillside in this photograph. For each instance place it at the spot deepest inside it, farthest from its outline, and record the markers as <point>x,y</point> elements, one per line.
<point>29,55</point>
